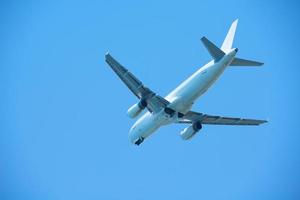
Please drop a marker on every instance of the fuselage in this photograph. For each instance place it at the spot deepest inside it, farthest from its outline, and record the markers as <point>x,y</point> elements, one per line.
<point>181,98</point>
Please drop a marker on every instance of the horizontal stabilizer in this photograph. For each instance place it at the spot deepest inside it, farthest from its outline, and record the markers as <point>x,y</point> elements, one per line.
<point>243,62</point>
<point>213,50</point>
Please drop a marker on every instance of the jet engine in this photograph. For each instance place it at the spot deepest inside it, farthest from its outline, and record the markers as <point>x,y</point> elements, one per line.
<point>136,109</point>
<point>190,131</point>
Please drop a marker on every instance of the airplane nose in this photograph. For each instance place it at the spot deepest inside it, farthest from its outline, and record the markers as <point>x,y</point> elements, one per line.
<point>131,135</point>
<point>134,134</point>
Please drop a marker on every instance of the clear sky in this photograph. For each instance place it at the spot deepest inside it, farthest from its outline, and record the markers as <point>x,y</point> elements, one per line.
<point>63,123</point>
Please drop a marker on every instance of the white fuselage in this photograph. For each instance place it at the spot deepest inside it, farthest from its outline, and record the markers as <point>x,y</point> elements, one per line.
<point>182,98</point>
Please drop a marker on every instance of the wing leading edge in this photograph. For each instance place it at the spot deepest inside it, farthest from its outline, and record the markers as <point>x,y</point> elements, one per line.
<point>155,103</point>
<point>191,117</point>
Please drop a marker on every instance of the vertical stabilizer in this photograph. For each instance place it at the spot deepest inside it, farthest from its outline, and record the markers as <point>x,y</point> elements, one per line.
<point>227,44</point>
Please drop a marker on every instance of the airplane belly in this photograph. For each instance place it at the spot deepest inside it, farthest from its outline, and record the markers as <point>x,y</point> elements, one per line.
<point>148,124</point>
<point>183,97</point>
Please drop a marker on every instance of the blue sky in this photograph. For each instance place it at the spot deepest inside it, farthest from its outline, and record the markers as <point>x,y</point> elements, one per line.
<point>63,123</point>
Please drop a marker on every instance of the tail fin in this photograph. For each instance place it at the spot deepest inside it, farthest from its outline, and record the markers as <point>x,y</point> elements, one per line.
<point>218,53</point>
<point>243,62</point>
<point>227,44</point>
<point>213,50</point>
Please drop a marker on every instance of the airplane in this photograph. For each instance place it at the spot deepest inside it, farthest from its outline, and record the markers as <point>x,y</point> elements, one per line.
<point>176,106</point>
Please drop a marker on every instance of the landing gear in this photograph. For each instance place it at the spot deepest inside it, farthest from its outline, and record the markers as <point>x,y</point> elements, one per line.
<point>139,141</point>
<point>169,111</point>
<point>180,115</point>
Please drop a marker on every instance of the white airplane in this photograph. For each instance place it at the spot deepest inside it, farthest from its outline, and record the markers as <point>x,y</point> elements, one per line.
<point>176,106</point>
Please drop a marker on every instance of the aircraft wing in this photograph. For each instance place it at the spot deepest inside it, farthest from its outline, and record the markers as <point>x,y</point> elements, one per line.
<point>154,102</point>
<point>191,117</point>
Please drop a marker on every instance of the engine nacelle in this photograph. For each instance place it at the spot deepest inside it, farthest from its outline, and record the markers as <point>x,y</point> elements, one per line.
<point>190,131</point>
<point>136,109</point>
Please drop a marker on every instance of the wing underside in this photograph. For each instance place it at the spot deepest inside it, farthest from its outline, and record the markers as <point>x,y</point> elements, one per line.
<point>192,117</point>
<point>154,102</point>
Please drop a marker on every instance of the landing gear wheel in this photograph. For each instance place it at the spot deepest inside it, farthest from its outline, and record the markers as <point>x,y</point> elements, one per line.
<point>169,111</point>
<point>139,141</point>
